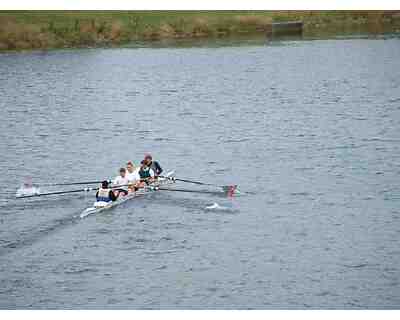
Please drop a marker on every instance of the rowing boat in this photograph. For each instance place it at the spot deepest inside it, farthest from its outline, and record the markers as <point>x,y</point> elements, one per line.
<point>143,191</point>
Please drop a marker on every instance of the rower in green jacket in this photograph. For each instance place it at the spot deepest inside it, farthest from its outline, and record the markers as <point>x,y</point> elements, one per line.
<point>146,174</point>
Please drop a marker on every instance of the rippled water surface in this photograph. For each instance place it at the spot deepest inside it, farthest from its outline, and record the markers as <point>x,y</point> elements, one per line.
<point>309,129</point>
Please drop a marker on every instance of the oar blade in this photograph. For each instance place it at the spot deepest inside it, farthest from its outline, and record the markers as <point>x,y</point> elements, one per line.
<point>231,190</point>
<point>25,191</point>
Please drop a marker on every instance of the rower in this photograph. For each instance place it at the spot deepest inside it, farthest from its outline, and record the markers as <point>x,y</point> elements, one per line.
<point>105,194</point>
<point>154,165</point>
<point>133,175</point>
<point>146,174</point>
<point>122,181</point>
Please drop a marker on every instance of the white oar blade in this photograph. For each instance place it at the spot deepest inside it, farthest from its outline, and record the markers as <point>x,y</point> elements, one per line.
<point>27,191</point>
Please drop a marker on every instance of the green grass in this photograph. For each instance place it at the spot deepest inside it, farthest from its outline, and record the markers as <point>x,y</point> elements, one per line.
<point>53,29</point>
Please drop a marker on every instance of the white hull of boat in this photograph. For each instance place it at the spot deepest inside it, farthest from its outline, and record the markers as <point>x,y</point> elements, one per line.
<point>146,190</point>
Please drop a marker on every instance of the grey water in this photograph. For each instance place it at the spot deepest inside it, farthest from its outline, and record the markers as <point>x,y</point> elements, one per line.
<point>308,129</point>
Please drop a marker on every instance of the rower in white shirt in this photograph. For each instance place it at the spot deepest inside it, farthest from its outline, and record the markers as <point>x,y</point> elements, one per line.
<point>122,181</point>
<point>133,175</point>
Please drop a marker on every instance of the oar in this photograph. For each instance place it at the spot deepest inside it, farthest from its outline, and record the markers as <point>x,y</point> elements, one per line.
<point>57,192</point>
<point>69,183</point>
<point>225,188</point>
<point>229,192</point>
<point>68,191</point>
<point>73,183</point>
<point>187,190</point>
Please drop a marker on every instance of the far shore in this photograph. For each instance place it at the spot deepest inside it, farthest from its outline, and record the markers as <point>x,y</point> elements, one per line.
<point>25,30</point>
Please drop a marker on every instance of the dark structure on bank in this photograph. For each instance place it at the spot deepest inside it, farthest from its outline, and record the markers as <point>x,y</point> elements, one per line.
<point>288,28</point>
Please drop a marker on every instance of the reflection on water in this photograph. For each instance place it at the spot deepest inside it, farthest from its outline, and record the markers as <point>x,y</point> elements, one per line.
<point>339,31</point>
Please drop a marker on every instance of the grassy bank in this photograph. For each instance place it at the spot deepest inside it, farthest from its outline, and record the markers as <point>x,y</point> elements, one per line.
<point>58,29</point>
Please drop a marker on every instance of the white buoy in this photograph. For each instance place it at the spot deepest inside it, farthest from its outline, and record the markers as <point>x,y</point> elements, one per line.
<point>27,191</point>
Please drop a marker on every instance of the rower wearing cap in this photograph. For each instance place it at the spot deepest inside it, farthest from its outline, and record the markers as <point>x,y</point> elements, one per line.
<point>121,181</point>
<point>105,194</point>
<point>154,165</point>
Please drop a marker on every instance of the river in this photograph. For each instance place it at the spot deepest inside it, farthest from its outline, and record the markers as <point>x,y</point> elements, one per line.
<point>308,129</point>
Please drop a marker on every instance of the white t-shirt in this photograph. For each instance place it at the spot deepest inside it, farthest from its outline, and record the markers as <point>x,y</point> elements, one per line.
<point>133,177</point>
<point>118,181</point>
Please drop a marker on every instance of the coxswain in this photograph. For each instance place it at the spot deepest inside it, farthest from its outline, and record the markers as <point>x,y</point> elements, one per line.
<point>121,181</point>
<point>154,165</point>
<point>105,194</point>
<point>146,174</point>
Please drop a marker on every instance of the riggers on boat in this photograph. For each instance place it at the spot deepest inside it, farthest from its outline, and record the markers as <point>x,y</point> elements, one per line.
<point>102,206</point>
